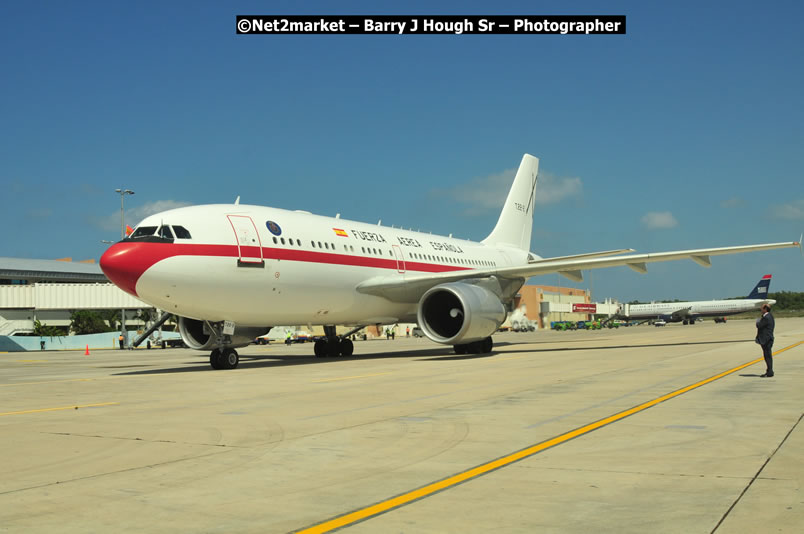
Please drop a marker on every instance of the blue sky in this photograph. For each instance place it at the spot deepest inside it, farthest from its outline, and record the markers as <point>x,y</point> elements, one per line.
<point>687,132</point>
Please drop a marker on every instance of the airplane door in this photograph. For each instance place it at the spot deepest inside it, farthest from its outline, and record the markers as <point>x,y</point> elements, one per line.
<point>400,259</point>
<point>249,247</point>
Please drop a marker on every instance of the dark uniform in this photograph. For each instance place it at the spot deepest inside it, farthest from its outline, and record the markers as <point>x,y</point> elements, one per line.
<point>765,325</point>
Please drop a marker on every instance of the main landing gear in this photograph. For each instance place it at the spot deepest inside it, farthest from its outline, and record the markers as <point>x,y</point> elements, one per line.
<point>476,347</point>
<point>335,345</point>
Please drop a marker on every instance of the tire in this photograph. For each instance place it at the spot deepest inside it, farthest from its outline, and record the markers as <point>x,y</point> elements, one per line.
<point>486,345</point>
<point>320,348</point>
<point>214,359</point>
<point>347,347</point>
<point>460,349</point>
<point>333,347</point>
<point>228,359</point>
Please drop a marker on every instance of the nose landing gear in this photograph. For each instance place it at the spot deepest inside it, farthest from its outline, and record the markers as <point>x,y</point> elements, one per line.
<point>222,356</point>
<point>226,358</point>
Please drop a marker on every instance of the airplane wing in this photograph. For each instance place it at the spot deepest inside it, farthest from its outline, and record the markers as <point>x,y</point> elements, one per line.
<point>410,288</point>
<point>681,314</point>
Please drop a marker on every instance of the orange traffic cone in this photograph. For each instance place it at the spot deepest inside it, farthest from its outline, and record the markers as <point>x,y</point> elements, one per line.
<point>87,351</point>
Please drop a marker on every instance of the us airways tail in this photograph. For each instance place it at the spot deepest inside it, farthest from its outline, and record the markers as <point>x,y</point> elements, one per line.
<point>516,220</point>
<point>760,290</point>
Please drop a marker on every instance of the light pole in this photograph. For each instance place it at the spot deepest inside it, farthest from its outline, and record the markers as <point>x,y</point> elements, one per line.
<point>123,193</point>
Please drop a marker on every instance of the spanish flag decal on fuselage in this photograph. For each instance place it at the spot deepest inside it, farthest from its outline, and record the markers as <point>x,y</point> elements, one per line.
<point>340,232</point>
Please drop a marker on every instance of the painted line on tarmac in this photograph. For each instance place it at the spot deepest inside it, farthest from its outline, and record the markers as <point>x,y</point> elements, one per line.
<point>348,377</point>
<point>486,468</point>
<point>61,408</point>
<point>58,381</point>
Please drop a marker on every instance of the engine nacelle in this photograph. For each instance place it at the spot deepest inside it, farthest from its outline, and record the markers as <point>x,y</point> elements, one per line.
<point>197,336</point>
<point>458,313</point>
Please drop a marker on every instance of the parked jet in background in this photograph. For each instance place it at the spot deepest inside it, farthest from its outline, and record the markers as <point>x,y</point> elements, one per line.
<point>232,271</point>
<point>688,312</point>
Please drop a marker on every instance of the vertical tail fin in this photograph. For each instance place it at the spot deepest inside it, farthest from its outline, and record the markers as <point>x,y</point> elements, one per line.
<point>760,290</point>
<point>516,219</point>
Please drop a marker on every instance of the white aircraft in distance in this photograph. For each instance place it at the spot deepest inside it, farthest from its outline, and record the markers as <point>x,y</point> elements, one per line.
<point>231,271</point>
<point>687,312</point>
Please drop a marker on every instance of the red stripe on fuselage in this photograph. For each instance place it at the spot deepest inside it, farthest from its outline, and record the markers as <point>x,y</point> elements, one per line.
<point>125,262</point>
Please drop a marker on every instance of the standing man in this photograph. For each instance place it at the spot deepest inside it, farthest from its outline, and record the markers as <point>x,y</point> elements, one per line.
<point>765,326</point>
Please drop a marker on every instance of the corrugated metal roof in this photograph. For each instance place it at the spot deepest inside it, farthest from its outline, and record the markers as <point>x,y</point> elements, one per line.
<point>22,268</point>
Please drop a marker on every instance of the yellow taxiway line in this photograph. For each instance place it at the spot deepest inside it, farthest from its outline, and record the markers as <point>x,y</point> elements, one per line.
<point>61,408</point>
<point>348,377</point>
<point>57,381</point>
<point>483,469</point>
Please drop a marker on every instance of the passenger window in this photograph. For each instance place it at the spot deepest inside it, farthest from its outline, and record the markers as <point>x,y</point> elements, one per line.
<point>282,239</point>
<point>165,232</point>
<point>275,240</point>
<point>143,231</point>
<point>298,242</point>
<point>326,246</point>
<point>319,245</point>
<point>181,232</point>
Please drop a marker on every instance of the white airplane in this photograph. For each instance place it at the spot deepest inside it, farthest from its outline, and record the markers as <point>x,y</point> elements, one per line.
<point>232,271</point>
<point>687,312</point>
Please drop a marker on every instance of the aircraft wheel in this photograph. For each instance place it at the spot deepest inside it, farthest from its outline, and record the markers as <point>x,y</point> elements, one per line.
<point>347,347</point>
<point>228,359</point>
<point>486,345</point>
<point>214,359</point>
<point>460,349</point>
<point>320,348</point>
<point>333,347</point>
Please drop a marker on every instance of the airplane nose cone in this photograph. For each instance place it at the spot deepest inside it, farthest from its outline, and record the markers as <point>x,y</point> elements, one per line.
<point>121,265</point>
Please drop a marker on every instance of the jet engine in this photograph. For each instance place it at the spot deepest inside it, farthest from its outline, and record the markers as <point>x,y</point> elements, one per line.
<point>458,313</point>
<point>198,336</point>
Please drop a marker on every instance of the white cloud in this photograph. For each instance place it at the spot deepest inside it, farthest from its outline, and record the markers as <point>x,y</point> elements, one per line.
<point>793,211</point>
<point>655,220</point>
<point>134,215</point>
<point>489,193</point>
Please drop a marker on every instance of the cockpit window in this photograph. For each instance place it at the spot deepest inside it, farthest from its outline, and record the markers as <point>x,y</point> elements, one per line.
<point>165,232</point>
<point>181,232</point>
<point>143,231</point>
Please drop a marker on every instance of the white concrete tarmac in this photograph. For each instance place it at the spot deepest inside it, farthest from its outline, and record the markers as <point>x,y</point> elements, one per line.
<point>156,441</point>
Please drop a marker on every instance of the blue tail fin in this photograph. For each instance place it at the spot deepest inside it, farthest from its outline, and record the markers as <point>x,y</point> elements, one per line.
<point>761,289</point>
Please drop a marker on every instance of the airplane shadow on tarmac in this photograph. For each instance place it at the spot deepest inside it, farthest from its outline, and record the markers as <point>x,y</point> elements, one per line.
<point>248,361</point>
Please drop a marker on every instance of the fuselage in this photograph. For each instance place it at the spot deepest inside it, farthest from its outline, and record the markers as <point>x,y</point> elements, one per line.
<point>265,266</point>
<point>676,311</point>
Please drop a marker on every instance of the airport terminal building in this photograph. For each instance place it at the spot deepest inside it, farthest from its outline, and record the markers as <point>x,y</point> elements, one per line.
<point>48,291</point>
